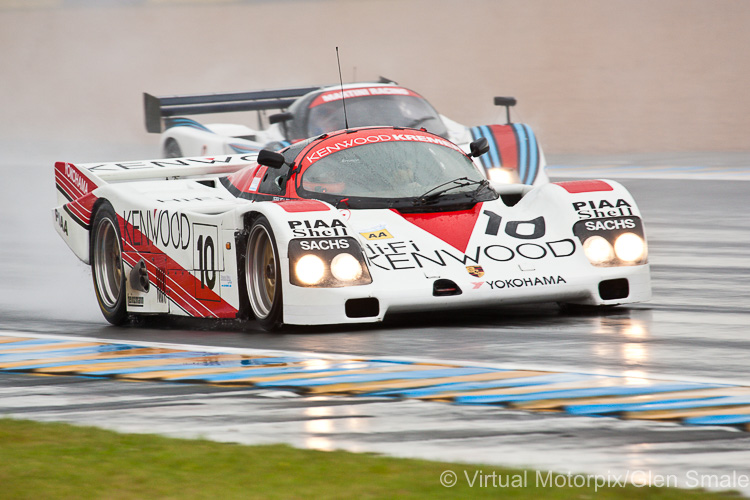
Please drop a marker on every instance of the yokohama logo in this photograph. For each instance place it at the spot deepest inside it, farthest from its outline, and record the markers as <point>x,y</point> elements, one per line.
<point>526,282</point>
<point>76,178</point>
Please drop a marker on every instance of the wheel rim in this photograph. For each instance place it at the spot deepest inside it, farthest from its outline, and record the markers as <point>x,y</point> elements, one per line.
<point>108,263</point>
<point>262,271</point>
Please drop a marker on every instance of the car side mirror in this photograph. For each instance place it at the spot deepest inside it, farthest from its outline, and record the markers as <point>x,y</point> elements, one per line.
<point>270,159</point>
<point>479,147</point>
<point>280,118</point>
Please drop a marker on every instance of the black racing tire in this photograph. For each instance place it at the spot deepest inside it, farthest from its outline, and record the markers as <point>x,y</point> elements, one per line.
<point>172,149</point>
<point>106,265</point>
<point>263,275</point>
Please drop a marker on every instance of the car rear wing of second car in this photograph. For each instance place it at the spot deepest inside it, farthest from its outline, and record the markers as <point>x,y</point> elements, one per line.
<point>159,107</point>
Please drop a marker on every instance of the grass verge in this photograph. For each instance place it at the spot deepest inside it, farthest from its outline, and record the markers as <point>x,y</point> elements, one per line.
<point>61,461</point>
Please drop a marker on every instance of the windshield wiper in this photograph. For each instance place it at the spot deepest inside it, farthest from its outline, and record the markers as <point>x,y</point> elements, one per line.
<point>418,121</point>
<point>437,192</point>
<point>484,184</point>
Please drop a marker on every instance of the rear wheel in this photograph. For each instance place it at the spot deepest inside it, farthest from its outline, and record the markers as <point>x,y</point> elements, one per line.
<point>263,275</point>
<point>106,265</point>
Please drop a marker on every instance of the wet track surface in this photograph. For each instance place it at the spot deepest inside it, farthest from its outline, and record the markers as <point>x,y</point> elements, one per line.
<point>695,326</point>
<point>694,329</point>
<point>674,87</point>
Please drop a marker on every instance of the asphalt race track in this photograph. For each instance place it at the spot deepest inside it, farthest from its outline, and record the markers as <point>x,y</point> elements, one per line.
<point>73,90</point>
<point>693,331</point>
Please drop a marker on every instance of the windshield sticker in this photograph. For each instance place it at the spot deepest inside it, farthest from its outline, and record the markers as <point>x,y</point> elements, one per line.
<point>256,180</point>
<point>337,95</point>
<point>377,233</point>
<point>361,140</point>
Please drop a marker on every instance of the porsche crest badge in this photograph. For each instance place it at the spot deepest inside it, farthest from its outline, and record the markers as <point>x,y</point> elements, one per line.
<point>475,271</point>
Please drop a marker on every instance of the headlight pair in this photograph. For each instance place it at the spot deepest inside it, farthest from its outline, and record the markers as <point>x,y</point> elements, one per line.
<point>628,248</point>
<point>616,241</point>
<point>327,262</point>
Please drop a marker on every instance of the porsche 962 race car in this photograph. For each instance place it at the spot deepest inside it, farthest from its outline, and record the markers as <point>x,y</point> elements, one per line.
<point>514,156</point>
<point>344,228</point>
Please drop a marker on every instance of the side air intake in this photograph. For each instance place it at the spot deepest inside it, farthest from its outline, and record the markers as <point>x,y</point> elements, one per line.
<point>362,308</point>
<point>614,289</point>
<point>443,288</point>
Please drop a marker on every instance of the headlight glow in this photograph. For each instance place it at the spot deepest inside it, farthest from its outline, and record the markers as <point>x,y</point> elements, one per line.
<point>328,262</point>
<point>346,267</point>
<point>310,269</point>
<point>598,250</point>
<point>503,175</point>
<point>630,247</point>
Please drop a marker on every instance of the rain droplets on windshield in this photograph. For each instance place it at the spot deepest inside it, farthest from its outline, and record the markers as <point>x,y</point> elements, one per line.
<point>394,169</point>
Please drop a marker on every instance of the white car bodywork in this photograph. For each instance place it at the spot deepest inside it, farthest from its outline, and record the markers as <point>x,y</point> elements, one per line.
<point>190,231</point>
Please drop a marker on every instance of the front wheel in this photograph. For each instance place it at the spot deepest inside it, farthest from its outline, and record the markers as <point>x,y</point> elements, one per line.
<point>263,275</point>
<point>106,265</point>
<point>172,149</point>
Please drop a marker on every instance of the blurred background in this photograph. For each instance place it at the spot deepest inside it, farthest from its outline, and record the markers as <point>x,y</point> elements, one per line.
<point>592,77</point>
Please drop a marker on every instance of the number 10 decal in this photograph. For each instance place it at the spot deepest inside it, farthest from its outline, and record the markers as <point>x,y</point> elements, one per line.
<point>206,259</point>
<point>206,255</point>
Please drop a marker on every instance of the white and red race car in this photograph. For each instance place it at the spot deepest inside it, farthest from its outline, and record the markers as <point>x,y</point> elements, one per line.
<point>514,156</point>
<point>344,228</point>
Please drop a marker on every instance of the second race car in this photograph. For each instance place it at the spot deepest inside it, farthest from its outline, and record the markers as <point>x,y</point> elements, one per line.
<point>514,156</point>
<point>344,228</point>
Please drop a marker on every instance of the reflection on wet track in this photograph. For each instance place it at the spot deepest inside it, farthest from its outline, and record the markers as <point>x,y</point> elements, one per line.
<point>693,333</point>
<point>576,393</point>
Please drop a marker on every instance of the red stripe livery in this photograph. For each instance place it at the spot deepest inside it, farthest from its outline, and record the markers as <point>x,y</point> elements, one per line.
<point>507,145</point>
<point>591,186</point>
<point>454,228</point>
<point>177,283</point>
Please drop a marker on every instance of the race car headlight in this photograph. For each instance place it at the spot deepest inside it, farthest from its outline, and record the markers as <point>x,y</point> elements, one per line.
<point>630,247</point>
<point>613,241</point>
<point>327,263</point>
<point>345,267</point>
<point>598,250</point>
<point>503,175</point>
<point>310,269</point>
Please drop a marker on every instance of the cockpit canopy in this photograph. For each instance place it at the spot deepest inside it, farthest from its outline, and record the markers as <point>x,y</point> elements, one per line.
<point>386,167</point>
<point>366,106</point>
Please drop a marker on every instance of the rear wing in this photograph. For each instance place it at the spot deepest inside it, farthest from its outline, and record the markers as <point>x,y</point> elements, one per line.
<point>76,181</point>
<point>156,108</point>
<point>168,168</point>
<point>76,185</point>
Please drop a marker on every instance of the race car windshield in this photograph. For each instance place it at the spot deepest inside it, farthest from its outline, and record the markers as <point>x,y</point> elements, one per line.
<point>394,174</point>
<point>395,110</point>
